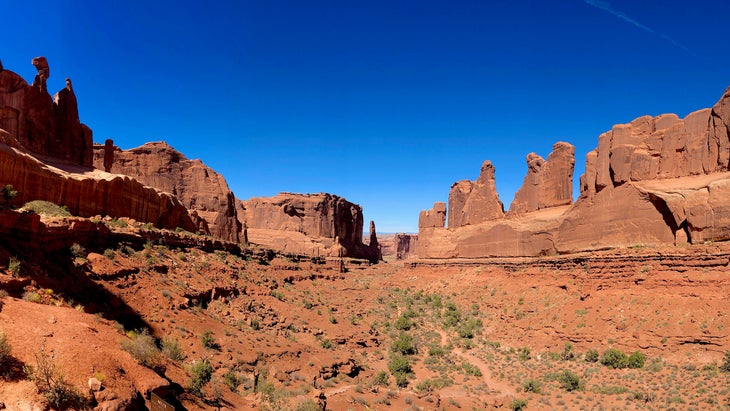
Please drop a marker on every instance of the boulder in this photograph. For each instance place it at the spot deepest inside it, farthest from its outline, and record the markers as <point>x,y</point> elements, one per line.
<point>200,189</point>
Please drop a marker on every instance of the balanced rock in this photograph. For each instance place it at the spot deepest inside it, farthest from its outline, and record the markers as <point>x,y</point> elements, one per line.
<point>548,183</point>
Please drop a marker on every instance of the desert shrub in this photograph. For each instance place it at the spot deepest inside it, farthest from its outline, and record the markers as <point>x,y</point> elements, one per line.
<point>109,253</point>
<point>77,250</point>
<point>568,380</point>
<point>451,315</point>
<point>381,378</point>
<point>518,404</point>
<point>470,369</point>
<point>51,382</point>
<point>592,356</point>
<point>14,266</point>
<point>232,380</point>
<point>307,405</point>
<point>725,366</point>
<point>403,323</point>
<point>208,341</point>
<point>5,350</point>
<point>468,328</point>
<point>7,194</point>
<point>3,294</point>
<point>46,208</point>
<point>524,354</point>
<point>532,385</point>
<point>326,344</point>
<point>567,353</point>
<point>200,374</point>
<point>613,358</point>
<point>171,349</point>
<point>636,360</point>
<point>32,297</point>
<point>141,345</point>
<point>404,345</point>
<point>400,367</point>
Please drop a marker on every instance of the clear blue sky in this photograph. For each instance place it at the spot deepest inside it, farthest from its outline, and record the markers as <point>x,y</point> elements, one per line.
<point>385,103</point>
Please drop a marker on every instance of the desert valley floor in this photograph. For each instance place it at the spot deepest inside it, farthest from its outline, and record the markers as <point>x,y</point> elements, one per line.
<point>283,331</point>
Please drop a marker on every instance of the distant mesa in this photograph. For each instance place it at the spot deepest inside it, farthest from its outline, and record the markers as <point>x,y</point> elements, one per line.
<point>655,181</point>
<point>314,224</point>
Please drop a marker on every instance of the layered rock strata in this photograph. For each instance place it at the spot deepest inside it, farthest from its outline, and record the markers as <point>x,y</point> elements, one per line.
<point>315,224</point>
<point>40,124</point>
<point>87,192</point>
<point>654,181</point>
<point>203,191</point>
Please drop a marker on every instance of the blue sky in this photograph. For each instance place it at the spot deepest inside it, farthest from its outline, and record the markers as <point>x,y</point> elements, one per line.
<point>385,103</point>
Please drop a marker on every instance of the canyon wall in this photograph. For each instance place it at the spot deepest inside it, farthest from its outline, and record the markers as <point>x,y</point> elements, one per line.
<point>308,223</point>
<point>654,181</point>
<point>44,125</point>
<point>198,187</point>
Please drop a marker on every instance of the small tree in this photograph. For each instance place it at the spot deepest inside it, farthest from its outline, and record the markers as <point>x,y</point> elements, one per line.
<point>200,374</point>
<point>614,358</point>
<point>725,366</point>
<point>636,360</point>
<point>569,381</point>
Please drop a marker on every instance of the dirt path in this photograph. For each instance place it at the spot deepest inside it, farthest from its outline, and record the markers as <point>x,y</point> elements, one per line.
<point>491,383</point>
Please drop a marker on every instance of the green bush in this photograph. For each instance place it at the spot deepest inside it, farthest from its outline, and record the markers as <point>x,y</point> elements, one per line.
<point>568,353</point>
<point>200,374</point>
<point>171,349</point>
<point>141,345</point>
<point>592,356</point>
<point>403,323</point>
<point>232,380</point>
<point>725,366</point>
<point>14,266</point>
<point>7,193</point>
<point>404,345</point>
<point>532,385</point>
<point>569,381</point>
<point>207,340</point>
<point>77,250</point>
<point>381,378</point>
<point>400,367</point>
<point>636,360</point>
<point>518,404</point>
<point>5,350</point>
<point>614,358</point>
<point>46,208</point>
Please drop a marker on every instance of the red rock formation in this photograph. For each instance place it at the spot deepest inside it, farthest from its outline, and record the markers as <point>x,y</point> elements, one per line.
<point>548,183</point>
<point>306,223</point>
<point>654,181</point>
<point>88,192</point>
<point>480,201</point>
<point>405,245</point>
<point>37,123</point>
<point>434,217</point>
<point>203,191</point>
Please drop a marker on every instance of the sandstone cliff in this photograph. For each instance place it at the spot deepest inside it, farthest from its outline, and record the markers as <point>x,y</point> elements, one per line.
<point>654,181</point>
<point>40,124</point>
<point>475,202</point>
<point>87,192</point>
<point>203,191</point>
<point>548,183</point>
<point>307,223</point>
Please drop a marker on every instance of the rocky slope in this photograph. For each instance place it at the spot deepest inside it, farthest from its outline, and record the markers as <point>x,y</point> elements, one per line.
<point>199,188</point>
<point>654,181</point>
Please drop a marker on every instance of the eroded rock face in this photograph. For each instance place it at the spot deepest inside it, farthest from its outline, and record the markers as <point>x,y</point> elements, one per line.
<point>548,183</point>
<point>661,147</point>
<point>654,181</point>
<point>307,223</point>
<point>434,217</point>
<point>405,245</point>
<point>198,187</point>
<point>480,200</point>
<point>38,123</point>
<point>88,193</point>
